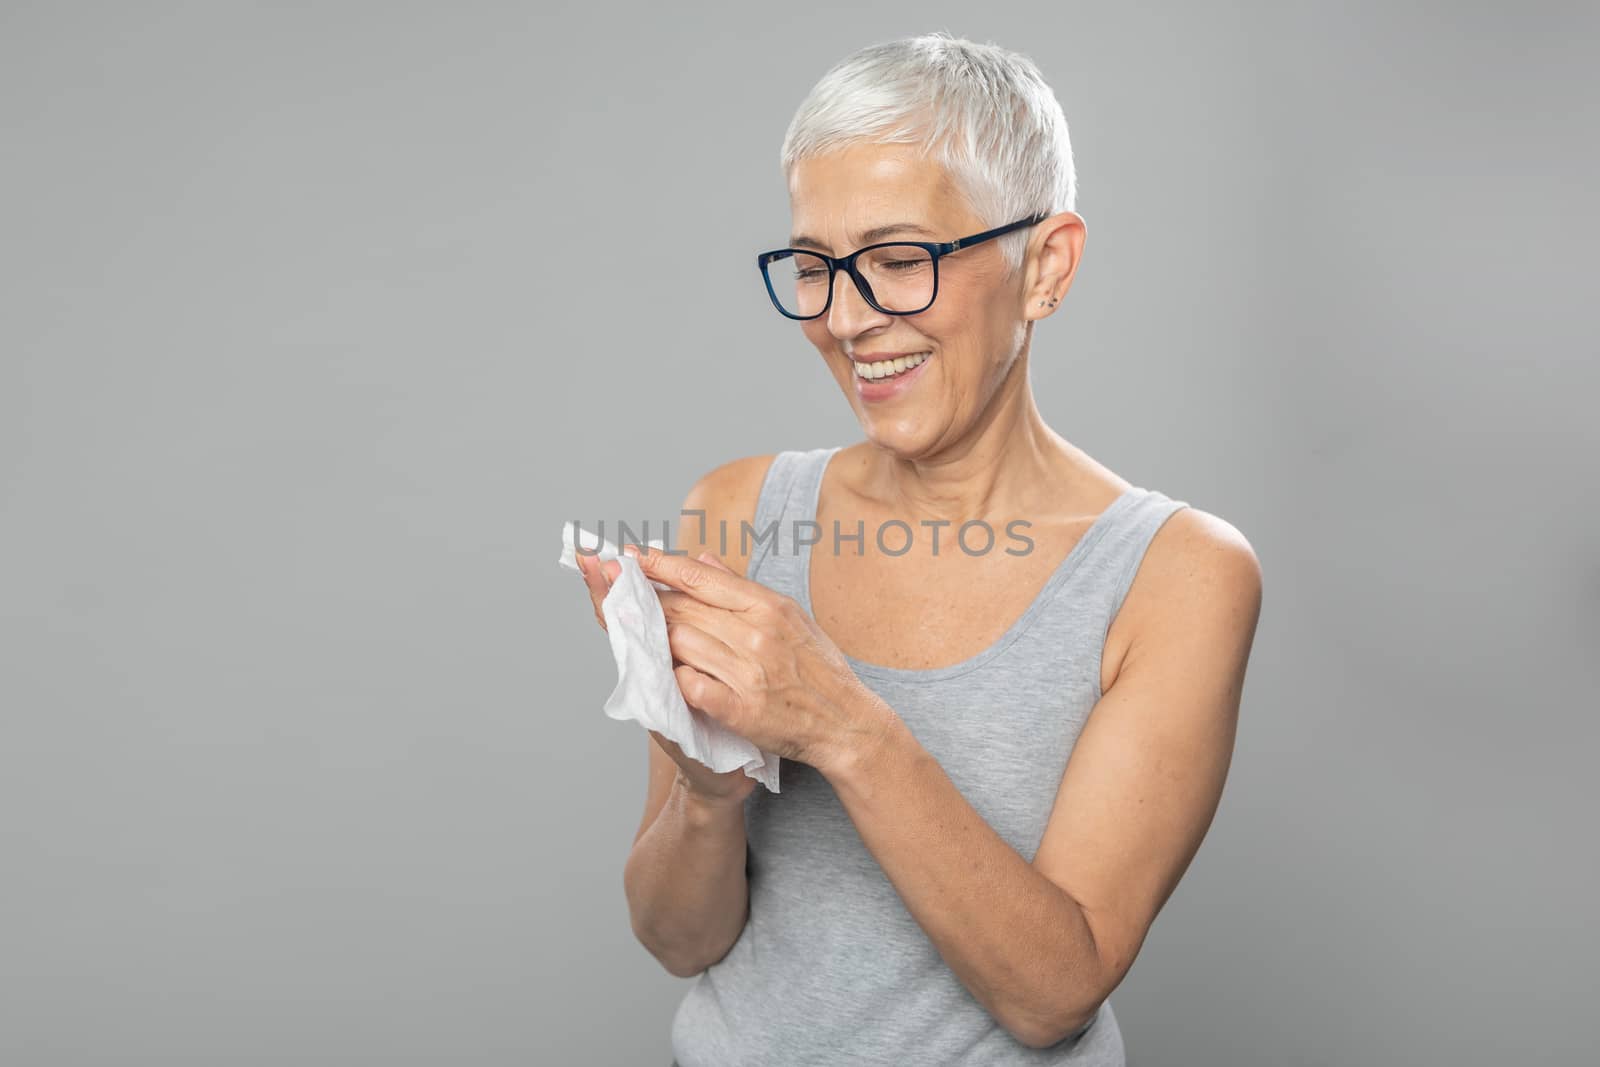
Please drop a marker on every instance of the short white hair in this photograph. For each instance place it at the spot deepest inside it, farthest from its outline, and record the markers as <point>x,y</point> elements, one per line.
<point>982,112</point>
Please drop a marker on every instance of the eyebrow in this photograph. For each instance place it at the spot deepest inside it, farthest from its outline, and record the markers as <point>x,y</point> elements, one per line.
<point>866,238</point>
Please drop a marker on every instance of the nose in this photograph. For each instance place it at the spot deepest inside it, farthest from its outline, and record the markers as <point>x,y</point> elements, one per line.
<point>849,314</point>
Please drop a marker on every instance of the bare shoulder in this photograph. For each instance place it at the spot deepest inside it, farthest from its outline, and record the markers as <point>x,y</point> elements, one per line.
<point>1198,566</point>
<point>716,506</point>
<point>1196,543</point>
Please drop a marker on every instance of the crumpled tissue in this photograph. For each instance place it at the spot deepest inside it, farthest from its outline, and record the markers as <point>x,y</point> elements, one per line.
<point>647,690</point>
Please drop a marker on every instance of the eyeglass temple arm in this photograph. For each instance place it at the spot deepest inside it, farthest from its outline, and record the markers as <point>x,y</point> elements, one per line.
<point>965,242</point>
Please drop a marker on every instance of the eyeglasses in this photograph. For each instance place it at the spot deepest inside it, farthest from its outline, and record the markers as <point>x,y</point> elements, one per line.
<point>896,277</point>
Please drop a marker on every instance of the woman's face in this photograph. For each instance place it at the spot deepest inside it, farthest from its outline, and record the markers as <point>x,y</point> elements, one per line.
<point>974,331</point>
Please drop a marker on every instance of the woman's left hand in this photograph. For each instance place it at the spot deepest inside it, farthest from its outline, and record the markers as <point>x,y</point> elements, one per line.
<point>752,659</point>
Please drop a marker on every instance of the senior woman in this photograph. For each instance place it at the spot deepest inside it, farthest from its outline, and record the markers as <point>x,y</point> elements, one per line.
<point>936,882</point>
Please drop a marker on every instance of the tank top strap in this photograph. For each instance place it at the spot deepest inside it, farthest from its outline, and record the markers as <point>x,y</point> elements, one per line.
<point>784,517</point>
<point>1102,578</point>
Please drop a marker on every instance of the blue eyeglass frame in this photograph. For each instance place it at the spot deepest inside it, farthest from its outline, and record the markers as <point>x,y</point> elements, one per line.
<point>936,250</point>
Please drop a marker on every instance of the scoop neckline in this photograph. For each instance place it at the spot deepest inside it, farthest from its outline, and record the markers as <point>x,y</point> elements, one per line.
<point>1062,572</point>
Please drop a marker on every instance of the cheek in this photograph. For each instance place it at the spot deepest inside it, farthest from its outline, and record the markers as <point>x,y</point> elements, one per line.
<point>973,357</point>
<point>818,335</point>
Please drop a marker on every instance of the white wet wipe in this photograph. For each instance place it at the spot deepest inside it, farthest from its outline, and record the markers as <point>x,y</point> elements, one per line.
<point>647,690</point>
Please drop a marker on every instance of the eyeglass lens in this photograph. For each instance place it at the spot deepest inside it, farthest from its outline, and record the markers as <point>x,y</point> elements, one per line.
<point>900,277</point>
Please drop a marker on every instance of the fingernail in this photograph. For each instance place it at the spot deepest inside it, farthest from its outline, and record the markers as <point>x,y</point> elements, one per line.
<point>631,550</point>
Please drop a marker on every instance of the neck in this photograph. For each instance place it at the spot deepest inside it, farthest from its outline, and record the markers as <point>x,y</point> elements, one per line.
<point>1008,466</point>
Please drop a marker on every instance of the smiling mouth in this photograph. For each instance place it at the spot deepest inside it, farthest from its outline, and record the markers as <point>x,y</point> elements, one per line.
<point>888,368</point>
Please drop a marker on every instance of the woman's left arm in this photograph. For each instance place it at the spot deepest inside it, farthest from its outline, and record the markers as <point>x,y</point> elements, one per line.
<point>1039,945</point>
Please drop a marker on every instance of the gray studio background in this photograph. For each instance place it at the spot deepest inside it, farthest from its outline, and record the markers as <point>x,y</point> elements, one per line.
<point>317,322</point>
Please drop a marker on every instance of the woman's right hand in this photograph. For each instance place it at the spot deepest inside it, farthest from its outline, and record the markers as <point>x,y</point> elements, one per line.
<point>725,787</point>
<point>598,580</point>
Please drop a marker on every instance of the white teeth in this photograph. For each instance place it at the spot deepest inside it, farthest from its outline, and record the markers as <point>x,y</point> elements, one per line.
<point>886,367</point>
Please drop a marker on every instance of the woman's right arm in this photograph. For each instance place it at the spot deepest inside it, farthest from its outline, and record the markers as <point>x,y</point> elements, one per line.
<point>688,895</point>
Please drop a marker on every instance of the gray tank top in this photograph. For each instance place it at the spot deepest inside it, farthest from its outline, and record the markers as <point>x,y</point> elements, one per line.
<point>831,967</point>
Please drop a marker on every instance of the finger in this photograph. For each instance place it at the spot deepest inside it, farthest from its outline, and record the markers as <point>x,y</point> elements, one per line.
<point>732,628</point>
<point>591,567</point>
<point>595,581</point>
<point>676,605</point>
<point>710,560</point>
<point>719,588</point>
<point>695,648</point>
<point>593,577</point>
<point>708,694</point>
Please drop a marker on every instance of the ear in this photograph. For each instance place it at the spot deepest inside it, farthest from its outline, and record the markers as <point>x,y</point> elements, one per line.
<point>1053,257</point>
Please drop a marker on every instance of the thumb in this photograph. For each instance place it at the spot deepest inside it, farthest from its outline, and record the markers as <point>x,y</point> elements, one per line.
<point>710,560</point>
